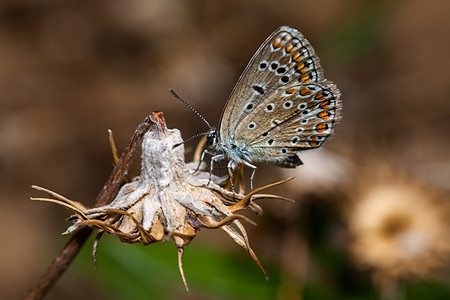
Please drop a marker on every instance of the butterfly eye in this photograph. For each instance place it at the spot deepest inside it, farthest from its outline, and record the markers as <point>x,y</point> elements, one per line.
<point>212,137</point>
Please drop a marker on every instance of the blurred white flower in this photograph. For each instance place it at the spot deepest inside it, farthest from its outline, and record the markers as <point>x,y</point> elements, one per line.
<point>399,227</point>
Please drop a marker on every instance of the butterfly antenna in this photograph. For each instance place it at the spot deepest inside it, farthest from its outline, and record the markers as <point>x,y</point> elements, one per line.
<point>194,110</point>
<point>191,138</point>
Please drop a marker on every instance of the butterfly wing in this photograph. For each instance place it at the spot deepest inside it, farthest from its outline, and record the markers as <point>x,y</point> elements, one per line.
<point>282,103</point>
<point>285,58</point>
<point>301,117</point>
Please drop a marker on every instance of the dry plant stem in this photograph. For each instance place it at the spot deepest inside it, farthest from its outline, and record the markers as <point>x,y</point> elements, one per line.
<point>112,143</point>
<point>246,200</point>
<point>180,266</point>
<point>57,267</point>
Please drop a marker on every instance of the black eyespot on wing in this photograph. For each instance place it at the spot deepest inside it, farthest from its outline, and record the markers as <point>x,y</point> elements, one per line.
<point>287,104</point>
<point>274,66</point>
<point>281,70</point>
<point>269,107</point>
<point>259,89</point>
<point>285,79</point>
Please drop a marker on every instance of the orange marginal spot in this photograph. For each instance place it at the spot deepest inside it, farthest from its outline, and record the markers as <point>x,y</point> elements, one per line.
<point>305,92</point>
<point>323,115</point>
<point>305,78</point>
<point>313,144</point>
<point>325,104</point>
<point>289,48</point>
<point>319,96</point>
<point>300,66</point>
<point>276,44</point>
<point>291,91</point>
<point>296,57</point>
<point>320,128</point>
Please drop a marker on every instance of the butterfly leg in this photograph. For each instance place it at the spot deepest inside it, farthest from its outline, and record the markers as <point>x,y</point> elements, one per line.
<point>200,161</point>
<point>202,158</point>
<point>253,172</point>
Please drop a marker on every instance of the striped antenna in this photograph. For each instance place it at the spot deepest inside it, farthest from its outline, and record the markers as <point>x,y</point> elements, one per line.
<point>191,138</point>
<point>191,108</point>
<point>197,113</point>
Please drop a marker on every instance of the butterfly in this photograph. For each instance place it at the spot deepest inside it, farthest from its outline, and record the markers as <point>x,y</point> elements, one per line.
<point>281,104</point>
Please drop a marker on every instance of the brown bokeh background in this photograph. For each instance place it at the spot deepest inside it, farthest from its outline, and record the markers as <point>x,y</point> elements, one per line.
<point>70,70</point>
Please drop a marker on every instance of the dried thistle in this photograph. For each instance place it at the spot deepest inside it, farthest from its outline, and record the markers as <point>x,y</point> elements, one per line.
<point>168,199</point>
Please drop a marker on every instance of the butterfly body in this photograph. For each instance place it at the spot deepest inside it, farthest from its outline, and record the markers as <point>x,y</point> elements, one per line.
<point>281,104</point>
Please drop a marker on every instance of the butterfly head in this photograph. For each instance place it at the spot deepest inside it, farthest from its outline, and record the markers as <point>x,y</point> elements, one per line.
<point>212,138</point>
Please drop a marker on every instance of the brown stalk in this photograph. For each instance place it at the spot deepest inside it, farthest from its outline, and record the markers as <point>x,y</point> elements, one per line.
<point>246,200</point>
<point>63,260</point>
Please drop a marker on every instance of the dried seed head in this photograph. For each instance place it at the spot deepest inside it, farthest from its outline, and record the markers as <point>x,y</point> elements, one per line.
<point>166,200</point>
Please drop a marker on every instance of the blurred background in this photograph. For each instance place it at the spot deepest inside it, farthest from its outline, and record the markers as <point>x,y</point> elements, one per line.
<point>371,217</point>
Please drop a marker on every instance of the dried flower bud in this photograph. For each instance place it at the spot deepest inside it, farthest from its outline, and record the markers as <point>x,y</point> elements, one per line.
<point>166,200</point>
